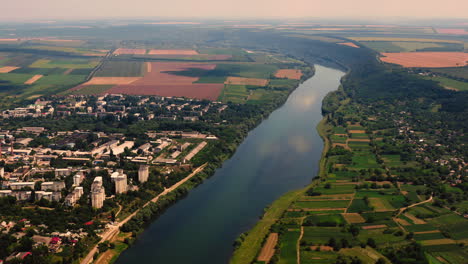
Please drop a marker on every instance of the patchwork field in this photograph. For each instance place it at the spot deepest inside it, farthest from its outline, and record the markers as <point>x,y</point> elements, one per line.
<point>427,59</point>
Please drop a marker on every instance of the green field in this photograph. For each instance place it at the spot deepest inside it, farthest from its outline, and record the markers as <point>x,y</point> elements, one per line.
<point>91,90</point>
<point>455,225</point>
<point>359,205</point>
<point>321,235</point>
<point>253,242</point>
<point>318,257</point>
<point>325,220</point>
<point>363,160</point>
<point>456,72</point>
<point>15,78</point>
<point>62,63</point>
<point>321,204</point>
<point>234,93</point>
<point>114,68</point>
<point>383,46</point>
<point>42,71</point>
<point>450,83</point>
<point>336,189</point>
<point>338,139</point>
<point>287,243</point>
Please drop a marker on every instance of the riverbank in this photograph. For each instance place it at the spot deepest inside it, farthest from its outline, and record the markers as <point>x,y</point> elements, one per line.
<point>123,240</point>
<point>272,160</point>
<point>251,242</point>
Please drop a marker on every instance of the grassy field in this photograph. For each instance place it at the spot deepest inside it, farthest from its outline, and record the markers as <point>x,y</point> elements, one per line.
<point>288,242</point>
<point>114,68</point>
<point>42,71</point>
<point>15,78</point>
<point>457,72</point>
<point>253,242</point>
<point>404,39</point>
<point>321,204</point>
<point>321,235</point>
<point>383,46</point>
<point>234,93</point>
<point>450,83</point>
<point>90,90</point>
<point>62,63</point>
<point>359,205</point>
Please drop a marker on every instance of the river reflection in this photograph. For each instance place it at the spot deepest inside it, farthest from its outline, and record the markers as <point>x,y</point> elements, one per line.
<point>280,155</point>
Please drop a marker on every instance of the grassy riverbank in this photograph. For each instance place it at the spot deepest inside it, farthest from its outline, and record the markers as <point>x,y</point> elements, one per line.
<point>251,242</point>
<point>215,158</point>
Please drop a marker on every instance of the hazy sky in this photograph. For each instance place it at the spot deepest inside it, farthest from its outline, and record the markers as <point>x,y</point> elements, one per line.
<point>33,9</point>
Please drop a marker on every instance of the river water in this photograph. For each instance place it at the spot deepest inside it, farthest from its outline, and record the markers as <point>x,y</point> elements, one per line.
<point>280,155</point>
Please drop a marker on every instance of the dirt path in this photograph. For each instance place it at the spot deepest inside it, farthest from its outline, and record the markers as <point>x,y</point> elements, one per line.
<point>298,244</point>
<point>268,249</point>
<point>413,205</point>
<point>114,229</point>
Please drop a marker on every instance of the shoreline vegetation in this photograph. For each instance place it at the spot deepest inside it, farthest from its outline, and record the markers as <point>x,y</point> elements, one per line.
<point>381,184</point>
<point>126,236</point>
<point>248,244</point>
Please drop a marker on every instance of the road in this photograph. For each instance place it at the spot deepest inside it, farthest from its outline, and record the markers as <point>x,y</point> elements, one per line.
<point>413,205</point>
<point>114,229</point>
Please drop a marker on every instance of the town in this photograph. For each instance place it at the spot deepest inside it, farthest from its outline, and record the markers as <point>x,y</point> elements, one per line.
<point>48,169</point>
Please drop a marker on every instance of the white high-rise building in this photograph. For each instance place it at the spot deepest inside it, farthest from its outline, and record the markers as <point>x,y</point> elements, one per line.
<point>143,173</point>
<point>78,178</point>
<point>120,180</point>
<point>97,193</point>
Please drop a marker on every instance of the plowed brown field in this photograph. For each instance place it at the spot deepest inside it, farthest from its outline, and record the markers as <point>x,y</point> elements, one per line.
<point>7,69</point>
<point>111,80</point>
<point>33,79</point>
<point>289,73</point>
<point>349,44</point>
<point>427,59</point>
<point>160,81</point>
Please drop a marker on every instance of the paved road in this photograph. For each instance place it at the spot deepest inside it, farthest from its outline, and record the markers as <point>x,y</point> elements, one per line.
<point>114,229</point>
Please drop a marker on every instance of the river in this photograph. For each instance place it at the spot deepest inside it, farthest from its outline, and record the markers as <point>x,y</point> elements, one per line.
<point>279,155</point>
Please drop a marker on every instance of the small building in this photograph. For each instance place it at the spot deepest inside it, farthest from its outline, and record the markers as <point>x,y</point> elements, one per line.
<point>63,172</point>
<point>53,186</point>
<point>74,196</point>
<point>20,185</point>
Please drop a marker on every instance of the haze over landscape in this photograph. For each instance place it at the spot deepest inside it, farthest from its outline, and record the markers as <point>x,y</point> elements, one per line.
<point>74,9</point>
<point>235,132</point>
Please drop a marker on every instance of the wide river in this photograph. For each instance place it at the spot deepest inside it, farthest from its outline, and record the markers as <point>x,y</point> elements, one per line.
<point>280,155</point>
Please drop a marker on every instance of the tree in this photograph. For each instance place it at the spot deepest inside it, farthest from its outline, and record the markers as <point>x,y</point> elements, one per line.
<point>371,242</point>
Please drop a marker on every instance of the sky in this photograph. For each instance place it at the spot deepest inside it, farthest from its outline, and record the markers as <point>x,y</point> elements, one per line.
<point>78,9</point>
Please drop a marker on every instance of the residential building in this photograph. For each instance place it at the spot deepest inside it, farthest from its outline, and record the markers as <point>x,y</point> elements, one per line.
<point>143,173</point>
<point>97,193</point>
<point>120,180</point>
<point>21,185</point>
<point>53,186</point>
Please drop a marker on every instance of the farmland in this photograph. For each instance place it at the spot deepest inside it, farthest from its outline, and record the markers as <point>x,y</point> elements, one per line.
<point>355,203</point>
<point>427,59</point>
<point>182,76</point>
